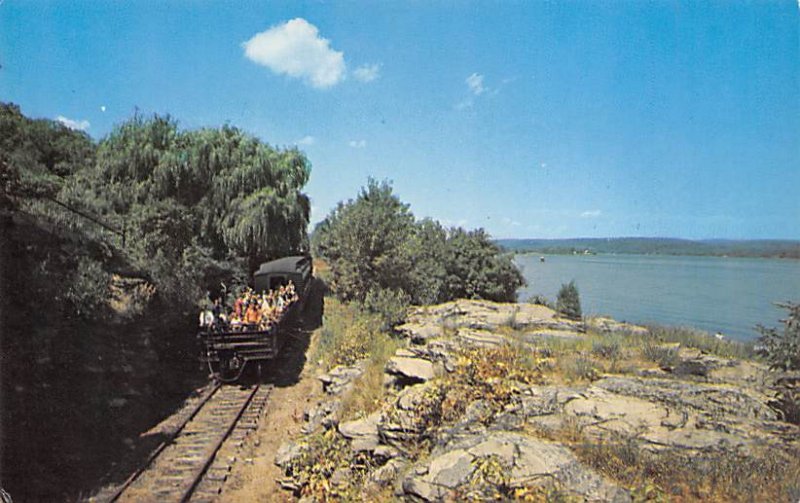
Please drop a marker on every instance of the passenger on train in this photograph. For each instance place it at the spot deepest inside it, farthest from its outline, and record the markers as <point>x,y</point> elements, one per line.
<point>250,309</point>
<point>253,316</point>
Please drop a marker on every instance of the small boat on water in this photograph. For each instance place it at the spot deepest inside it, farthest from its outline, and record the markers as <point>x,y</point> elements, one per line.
<point>541,259</point>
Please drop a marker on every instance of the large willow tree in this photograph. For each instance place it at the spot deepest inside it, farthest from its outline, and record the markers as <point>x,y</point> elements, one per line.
<point>193,200</point>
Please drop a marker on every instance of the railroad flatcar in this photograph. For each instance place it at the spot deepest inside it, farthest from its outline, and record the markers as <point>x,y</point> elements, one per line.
<point>230,349</point>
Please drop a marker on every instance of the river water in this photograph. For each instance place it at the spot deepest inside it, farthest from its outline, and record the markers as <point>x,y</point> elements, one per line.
<point>716,294</point>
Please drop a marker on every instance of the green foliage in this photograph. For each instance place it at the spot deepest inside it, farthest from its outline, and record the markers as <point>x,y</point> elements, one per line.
<point>198,206</point>
<point>782,349</point>
<point>88,288</point>
<point>540,300</point>
<point>374,246</point>
<point>476,269</point>
<point>568,303</point>
<point>347,335</point>
<point>321,456</point>
<point>37,155</point>
<point>363,242</point>
<point>427,244</point>
<point>390,305</point>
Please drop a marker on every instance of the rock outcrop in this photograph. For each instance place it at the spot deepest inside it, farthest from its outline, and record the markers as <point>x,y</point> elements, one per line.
<point>702,404</point>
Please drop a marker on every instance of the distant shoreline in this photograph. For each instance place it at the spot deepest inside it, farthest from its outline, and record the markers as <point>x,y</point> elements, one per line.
<point>616,254</point>
<point>774,249</point>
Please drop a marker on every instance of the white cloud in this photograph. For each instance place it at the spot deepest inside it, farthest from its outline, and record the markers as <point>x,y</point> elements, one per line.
<point>357,143</point>
<point>102,108</point>
<point>475,84</point>
<point>367,73</point>
<point>591,214</point>
<point>296,49</point>
<point>306,140</point>
<point>73,124</point>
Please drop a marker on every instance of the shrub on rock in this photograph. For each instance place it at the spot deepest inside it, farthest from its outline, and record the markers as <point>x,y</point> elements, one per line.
<point>568,303</point>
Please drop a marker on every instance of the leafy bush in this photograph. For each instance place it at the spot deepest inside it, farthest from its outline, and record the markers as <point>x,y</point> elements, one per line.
<point>477,269</point>
<point>390,305</point>
<point>787,400</point>
<point>782,349</point>
<point>88,289</point>
<point>363,240</point>
<point>322,455</point>
<point>373,243</point>
<point>539,300</point>
<point>568,303</point>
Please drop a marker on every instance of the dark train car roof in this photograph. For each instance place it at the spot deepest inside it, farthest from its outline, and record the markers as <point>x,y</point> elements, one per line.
<point>284,265</point>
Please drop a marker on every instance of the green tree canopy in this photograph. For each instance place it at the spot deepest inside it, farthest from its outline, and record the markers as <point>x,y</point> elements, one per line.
<point>363,239</point>
<point>193,202</point>
<point>377,250</point>
<point>36,155</point>
<point>220,189</point>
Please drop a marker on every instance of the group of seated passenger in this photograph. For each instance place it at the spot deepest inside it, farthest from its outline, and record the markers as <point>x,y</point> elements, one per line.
<point>251,310</point>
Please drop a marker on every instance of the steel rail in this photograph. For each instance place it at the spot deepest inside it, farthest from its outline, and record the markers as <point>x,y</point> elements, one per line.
<point>163,445</point>
<point>200,473</point>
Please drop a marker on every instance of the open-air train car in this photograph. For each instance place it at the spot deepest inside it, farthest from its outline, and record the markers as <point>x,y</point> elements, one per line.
<point>229,352</point>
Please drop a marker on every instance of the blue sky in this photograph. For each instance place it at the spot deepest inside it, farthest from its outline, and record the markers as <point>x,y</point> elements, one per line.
<point>530,119</point>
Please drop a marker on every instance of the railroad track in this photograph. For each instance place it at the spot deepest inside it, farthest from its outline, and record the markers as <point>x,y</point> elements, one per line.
<point>193,464</point>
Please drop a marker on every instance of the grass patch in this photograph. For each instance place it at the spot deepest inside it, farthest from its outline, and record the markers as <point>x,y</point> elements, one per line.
<point>351,334</point>
<point>577,368</point>
<point>576,359</point>
<point>328,469</point>
<point>348,334</point>
<point>717,476</point>
<point>698,339</point>
<point>665,356</point>
<point>368,396</point>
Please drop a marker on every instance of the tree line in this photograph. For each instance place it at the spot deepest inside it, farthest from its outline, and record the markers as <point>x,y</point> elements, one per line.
<point>381,256</point>
<point>196,207</point>
<point>200,208</point>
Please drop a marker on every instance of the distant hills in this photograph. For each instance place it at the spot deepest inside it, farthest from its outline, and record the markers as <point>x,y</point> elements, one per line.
<point>767,248</point>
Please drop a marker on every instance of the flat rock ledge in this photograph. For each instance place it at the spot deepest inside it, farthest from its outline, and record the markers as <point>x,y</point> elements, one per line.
<point>703,405</point>
<point>526,461</point>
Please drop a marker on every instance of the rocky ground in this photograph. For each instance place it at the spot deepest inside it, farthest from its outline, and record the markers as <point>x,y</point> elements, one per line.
<point>479,405</point>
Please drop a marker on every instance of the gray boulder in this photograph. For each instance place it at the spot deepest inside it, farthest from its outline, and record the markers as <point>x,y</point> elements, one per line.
<point>289,452</point>
<point>411,369</point>
<point>528,462</point>
<point>362,433</point>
